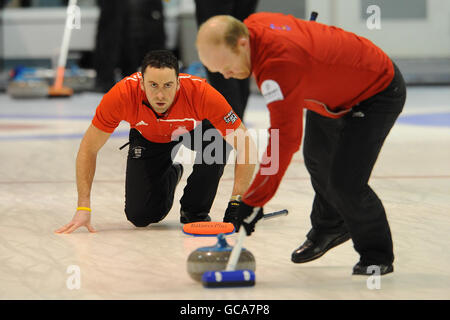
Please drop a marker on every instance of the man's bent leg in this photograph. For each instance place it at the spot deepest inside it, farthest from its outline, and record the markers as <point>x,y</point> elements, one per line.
<point>202,184</point>
<point>321,137</point>
<point>151,179</point>
<point>328,227</point>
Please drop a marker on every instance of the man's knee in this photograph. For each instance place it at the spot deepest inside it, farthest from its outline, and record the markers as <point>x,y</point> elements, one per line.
<point>142,218</point>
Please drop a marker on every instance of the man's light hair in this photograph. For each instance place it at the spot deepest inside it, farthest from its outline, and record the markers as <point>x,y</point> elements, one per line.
<point>234,30</point>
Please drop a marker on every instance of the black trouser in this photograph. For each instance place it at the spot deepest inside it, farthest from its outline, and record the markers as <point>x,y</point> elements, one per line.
<point>123,37</point>
<point>235,91</point>
<point>340,155</point>
<point>151,179</point>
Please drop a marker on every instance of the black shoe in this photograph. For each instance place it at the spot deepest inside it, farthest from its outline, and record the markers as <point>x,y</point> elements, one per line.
<point>186,217</point>
<point>179,168</point>
<point>311,250</point>
<point>377,269</point>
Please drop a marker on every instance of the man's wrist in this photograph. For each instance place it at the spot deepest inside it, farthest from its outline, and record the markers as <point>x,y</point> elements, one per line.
<point>236,198</point>
<point>84,203</point>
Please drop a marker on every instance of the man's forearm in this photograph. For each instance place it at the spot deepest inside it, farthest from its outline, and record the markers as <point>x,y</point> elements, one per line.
<point>85,170</point>
<point>243,174</point>
<point>246,158</point>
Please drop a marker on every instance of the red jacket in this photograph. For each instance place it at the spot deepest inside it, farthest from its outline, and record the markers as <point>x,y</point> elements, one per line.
<point>303,64</point>
<point>195,101</point>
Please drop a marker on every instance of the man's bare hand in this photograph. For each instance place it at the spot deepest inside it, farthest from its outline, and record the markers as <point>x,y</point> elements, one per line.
<point>82,218</point>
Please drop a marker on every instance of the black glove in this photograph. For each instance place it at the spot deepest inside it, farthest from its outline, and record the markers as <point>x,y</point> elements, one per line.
<point>231,212</point>
<point>246,212</point>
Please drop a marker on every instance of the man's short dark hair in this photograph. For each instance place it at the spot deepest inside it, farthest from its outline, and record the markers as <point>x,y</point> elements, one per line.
<point>160,59</point>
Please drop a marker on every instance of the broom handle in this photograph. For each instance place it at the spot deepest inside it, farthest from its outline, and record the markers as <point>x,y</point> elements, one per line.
<point>236,252</point>
<point>65,45</point>
<point>275,214</point>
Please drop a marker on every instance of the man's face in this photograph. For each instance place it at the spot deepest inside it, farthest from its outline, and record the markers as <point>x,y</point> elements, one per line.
<point>231,64</point>
<point>160,86</point>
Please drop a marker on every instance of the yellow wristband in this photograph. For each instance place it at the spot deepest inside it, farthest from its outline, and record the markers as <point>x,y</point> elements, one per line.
<point>84,208</point>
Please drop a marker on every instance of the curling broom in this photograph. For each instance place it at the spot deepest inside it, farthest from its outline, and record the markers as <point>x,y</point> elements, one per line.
<point>231,277</point>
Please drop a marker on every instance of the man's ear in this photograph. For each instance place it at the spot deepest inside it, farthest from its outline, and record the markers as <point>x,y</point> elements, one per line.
<point>242,42</point>
<point>141,82</point>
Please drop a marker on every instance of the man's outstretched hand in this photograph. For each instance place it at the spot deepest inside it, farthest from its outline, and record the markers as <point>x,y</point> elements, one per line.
<point>82,218</point>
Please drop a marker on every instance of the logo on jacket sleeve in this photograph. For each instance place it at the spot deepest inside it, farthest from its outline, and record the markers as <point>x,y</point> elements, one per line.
<point>283,27</point>
<point>230,117</point>
<point>271,91</point>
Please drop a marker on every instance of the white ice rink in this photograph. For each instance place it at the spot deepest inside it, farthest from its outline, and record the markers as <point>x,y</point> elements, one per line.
<point>39,140</point>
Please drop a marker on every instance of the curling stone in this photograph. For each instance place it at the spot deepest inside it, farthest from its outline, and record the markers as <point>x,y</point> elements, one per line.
<point>216,258</point>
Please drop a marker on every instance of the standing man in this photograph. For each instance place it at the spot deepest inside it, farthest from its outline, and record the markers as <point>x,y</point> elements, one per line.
<point>236,91</point>
<point>352,93</point>
<point>163,106</point>
<point>122,38</point>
